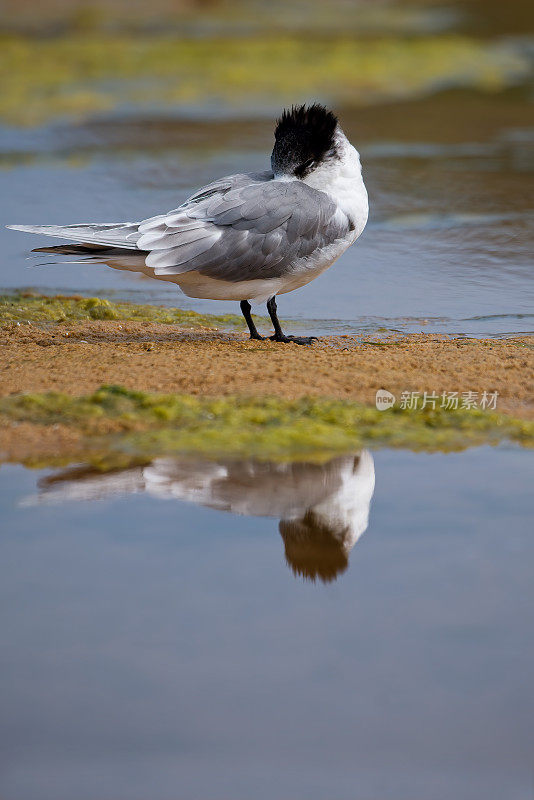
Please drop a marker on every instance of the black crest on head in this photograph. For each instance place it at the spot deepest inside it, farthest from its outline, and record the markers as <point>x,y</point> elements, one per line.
<point>304,136</point>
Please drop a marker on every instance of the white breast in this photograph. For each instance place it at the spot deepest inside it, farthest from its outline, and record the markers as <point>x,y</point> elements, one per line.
<point>341,178</point>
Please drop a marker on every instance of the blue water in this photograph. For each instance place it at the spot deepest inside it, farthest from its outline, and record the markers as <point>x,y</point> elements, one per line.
<point>156,647</point>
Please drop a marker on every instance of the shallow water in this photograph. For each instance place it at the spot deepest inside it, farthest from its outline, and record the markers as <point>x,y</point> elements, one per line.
<point>448,246</point>
<point>155,644</point>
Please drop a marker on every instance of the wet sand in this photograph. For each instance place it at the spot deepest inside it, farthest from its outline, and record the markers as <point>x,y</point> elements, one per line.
<point>78,358</point>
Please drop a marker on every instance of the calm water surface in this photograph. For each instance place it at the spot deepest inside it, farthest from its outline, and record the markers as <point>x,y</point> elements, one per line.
<point>163,636</point>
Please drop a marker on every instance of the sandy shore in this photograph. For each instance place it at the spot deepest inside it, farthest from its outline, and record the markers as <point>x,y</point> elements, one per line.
<point>77,358</point>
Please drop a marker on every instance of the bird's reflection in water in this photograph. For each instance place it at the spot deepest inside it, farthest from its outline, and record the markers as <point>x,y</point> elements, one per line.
<point>323,508</point>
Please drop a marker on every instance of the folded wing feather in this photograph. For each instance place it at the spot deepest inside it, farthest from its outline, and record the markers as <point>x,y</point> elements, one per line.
<point>242,228</point>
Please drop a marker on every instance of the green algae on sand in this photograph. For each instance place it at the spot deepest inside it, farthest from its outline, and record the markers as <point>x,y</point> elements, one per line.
<point>266,428</point>
<point>30,307</point>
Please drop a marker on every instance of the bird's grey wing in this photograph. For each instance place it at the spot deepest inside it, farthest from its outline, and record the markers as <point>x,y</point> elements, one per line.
<point>223,185</point>
<point>217,188</point>
<point>257,230</point>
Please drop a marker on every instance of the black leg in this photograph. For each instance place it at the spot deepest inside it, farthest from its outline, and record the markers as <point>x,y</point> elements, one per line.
<point>245,310</point>
<point>278,332</point>
<point>279,335</point>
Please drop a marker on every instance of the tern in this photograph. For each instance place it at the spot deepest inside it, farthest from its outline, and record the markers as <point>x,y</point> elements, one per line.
<point>251,236</point>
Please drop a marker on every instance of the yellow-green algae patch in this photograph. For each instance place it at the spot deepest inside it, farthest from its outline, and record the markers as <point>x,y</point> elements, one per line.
<point>267,427</point>
<point>29,307</point>
<point>82,73</point>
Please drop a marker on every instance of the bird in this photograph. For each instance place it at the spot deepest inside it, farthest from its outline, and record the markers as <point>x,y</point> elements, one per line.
<point>251,236</point>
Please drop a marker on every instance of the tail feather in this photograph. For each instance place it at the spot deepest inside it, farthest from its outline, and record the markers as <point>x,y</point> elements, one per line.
<point>84,249</point>
<point>120,258</point>
<point>112,234</point>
